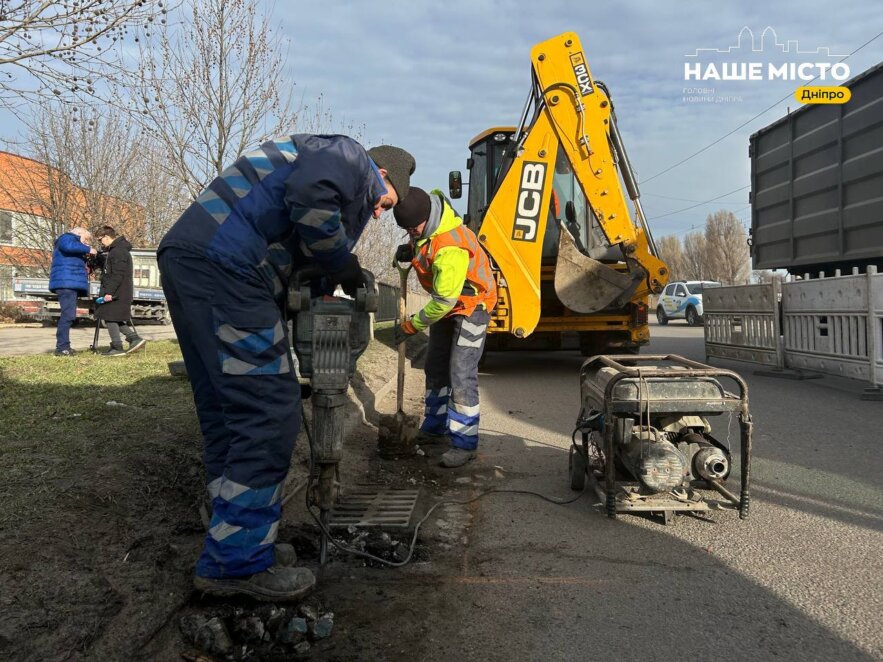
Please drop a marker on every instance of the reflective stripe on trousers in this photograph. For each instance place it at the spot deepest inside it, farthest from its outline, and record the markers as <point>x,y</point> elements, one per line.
<point>452,404</point>
<point>235,347</point>
<point>242,530</point>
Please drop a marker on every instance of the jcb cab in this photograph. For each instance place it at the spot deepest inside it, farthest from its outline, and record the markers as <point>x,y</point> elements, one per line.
<point>547,200</point>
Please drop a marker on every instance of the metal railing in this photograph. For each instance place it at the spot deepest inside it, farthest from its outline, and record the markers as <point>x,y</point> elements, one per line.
<point>835,325</point>
<point>831,325</point>
<point>742,323</point>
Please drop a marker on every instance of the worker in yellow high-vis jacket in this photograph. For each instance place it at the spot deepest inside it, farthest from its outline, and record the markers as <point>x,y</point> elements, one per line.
<point>452,266</point>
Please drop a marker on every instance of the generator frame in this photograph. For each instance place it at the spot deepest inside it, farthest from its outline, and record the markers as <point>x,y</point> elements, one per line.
<point>621,408</point>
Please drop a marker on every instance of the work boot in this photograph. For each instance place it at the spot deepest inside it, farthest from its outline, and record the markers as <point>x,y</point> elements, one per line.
<point>456,457</point>
<point>276,583</point>
<point>135,344</point>
<point>425,438</point>
<point>115,350</point>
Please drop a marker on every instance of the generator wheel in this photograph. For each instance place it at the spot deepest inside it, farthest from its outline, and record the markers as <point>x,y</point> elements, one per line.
<point>577,467</point>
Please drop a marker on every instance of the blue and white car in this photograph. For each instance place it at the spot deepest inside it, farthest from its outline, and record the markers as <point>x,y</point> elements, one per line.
<point>682,300</point>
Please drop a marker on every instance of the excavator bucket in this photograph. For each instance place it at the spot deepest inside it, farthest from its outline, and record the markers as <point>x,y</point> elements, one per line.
<point>582,284</point>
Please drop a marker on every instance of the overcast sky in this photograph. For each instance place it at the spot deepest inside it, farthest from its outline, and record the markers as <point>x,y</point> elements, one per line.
<point>428,76</point>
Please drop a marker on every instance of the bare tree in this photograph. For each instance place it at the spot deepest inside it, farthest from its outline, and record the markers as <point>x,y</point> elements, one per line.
<point>672,253</point>
<point>159,192</point>
<point>121,170</point>
<point>377,246</point>
<point>767,276</point>
<point>63,49</point>
<point>213,87</point>
<point>726,248</point>
<point>695,264</point>
<point>86,171</point>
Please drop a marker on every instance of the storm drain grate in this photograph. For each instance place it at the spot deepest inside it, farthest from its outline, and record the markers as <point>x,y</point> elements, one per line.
<point>384,507</point>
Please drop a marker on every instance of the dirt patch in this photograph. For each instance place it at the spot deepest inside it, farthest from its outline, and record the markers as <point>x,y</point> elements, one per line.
<point>376,371</point>
<point>99,524</point>
<point>103,479</point>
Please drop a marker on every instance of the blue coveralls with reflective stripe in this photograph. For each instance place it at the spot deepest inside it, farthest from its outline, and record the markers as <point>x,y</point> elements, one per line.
<point>225,263</point>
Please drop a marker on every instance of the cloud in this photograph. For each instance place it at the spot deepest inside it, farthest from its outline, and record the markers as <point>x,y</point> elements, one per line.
<point>430,75</point>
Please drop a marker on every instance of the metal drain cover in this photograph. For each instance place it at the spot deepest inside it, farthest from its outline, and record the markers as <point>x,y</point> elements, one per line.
<point>379,507</point>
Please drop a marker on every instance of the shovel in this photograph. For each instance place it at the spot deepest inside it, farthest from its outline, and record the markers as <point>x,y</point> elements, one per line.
<point>398,432</point>
<point>400,374</point>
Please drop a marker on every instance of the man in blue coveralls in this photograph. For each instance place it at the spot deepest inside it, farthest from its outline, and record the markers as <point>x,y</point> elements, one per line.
<point>297,200</point>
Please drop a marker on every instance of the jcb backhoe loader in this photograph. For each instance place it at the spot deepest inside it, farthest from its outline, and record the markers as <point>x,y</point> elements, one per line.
<point>547,200</point>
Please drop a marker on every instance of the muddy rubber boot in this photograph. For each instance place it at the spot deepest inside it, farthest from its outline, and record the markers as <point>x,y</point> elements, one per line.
<point>456,457</point>
<point>276,583</point>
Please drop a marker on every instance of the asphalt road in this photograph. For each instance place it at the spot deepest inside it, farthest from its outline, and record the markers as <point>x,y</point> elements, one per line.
<point>802,579</point>
<point>32,339</point>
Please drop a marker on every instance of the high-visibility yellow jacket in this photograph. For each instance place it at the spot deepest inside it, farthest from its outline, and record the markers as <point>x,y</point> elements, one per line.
<point>452,266</point>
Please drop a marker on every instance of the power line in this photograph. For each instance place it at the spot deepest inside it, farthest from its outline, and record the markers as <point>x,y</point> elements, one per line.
<point>697,227</point>
<point>668,197</point>
<point>699,204</point>
<point>763,112</point>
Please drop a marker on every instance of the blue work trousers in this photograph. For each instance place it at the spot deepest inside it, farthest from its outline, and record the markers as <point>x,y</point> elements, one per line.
<point>67,299</point>
<point>235,345</point>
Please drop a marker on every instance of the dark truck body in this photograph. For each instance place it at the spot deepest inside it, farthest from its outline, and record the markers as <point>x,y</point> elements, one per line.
<point>817,184</point>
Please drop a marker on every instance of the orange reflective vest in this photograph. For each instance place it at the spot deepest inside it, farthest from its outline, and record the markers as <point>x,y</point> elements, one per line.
<point>479,289</point>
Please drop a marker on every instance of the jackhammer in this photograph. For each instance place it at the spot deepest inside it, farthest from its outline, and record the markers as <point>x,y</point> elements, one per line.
<point>329,335</point>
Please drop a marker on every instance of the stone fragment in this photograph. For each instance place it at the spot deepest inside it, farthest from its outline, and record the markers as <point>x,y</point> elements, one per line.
<point>322,628</point>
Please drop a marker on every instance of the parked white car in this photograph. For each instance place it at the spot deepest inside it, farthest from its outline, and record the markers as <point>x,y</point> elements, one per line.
<point>682,299</point>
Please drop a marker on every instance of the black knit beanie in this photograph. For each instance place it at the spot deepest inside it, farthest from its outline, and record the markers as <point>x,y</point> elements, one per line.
<point>399,166</point>
<point>413,211</point>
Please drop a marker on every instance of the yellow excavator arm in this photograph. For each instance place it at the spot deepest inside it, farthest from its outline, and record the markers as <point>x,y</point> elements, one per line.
<point>573,112</point>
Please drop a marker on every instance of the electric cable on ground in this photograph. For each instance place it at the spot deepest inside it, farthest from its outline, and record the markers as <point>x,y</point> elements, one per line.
<point>462,502</point>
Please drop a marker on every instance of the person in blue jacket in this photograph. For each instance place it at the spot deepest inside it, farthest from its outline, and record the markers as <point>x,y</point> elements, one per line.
<point>298,200</point>
<point>69,279</point>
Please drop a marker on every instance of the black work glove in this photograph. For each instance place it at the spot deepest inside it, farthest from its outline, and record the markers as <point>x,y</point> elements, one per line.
<point>350,276</point>
<point>405,253</point>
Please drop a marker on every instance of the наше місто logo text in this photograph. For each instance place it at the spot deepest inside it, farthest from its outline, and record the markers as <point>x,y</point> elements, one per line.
<point>752,59</point>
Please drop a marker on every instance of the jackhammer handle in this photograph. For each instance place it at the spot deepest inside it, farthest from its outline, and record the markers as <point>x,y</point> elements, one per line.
<point>305,275</point>
<point>309,273</point>
<point>367,298</point>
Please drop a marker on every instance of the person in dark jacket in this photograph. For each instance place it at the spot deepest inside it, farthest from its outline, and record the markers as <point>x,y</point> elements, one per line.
<point>69,279</point>
<point>297,200</point>
<point>117,292</point>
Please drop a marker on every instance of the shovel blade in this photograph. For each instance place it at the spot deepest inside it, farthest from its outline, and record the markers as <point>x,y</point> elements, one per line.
<point>582,284</point>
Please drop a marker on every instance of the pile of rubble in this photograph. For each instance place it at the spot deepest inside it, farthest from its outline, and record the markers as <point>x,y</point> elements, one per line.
<point>377,543</point>
<point>266,632</point>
